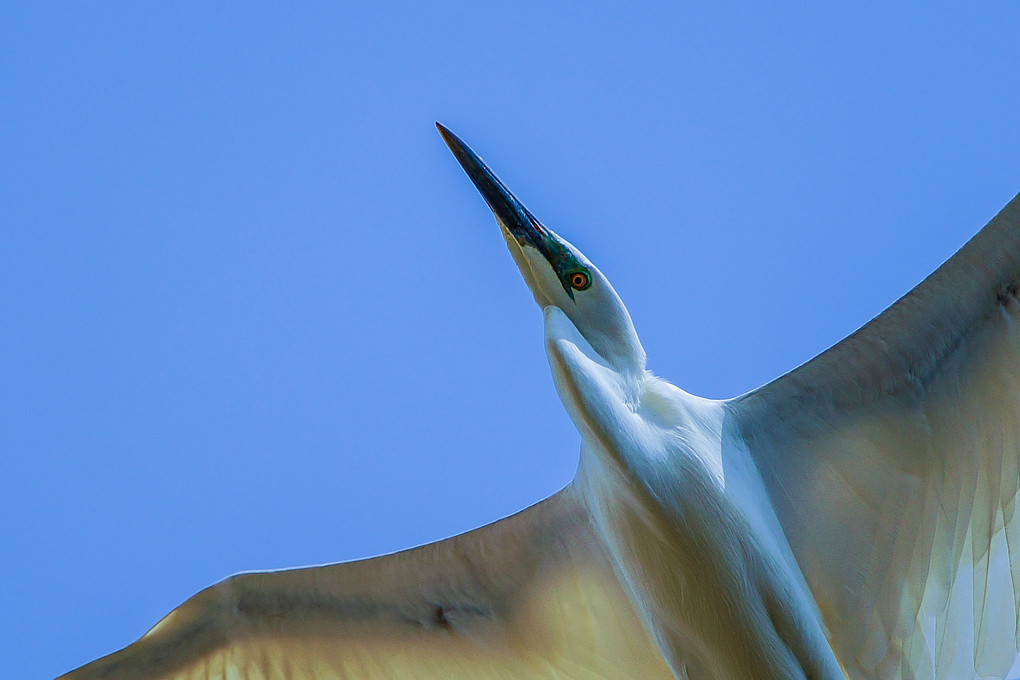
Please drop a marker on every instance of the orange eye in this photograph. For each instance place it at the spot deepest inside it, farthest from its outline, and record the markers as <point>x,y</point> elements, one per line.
<point>579,280</point>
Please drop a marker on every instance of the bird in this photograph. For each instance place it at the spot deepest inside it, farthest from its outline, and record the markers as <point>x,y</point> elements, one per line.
<point>853,518</point>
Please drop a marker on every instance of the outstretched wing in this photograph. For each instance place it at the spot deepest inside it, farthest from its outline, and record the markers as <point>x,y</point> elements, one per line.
<point>892,461</point>
<point>531,596</point>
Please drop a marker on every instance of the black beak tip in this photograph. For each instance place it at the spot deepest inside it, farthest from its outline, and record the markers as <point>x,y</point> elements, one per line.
<point>510,211</point>
<point>448,137</point>
<point>458,147</point>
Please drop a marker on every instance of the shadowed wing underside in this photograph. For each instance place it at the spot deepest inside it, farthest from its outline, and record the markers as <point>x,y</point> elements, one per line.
<point>531,596</point>
<point>892,461</point>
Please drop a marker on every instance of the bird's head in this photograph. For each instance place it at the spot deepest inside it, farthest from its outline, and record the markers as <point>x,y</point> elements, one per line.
<point>557,273</point>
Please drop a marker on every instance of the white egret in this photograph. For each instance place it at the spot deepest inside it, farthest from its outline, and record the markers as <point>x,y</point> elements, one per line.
<point>856,516</point>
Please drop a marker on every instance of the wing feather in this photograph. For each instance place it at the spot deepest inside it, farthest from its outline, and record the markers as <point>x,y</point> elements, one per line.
<point>531,596</point>
<point>893,462</point>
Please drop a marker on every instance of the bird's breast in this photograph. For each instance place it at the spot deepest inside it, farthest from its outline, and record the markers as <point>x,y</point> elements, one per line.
<point>715,598</point>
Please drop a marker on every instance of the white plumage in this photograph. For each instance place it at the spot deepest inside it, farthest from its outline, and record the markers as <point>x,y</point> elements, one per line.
<point>856,516</point>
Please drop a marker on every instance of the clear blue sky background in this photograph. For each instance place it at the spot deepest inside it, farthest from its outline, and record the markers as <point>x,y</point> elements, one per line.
<point>255,316</point>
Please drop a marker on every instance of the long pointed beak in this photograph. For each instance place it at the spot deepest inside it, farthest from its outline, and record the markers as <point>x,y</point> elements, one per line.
<point>510,212</point>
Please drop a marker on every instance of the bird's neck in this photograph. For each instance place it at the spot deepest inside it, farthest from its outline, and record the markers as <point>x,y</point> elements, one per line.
<point>654,428</point>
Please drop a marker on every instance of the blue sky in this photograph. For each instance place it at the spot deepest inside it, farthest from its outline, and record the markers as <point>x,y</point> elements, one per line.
<point>255,316</point>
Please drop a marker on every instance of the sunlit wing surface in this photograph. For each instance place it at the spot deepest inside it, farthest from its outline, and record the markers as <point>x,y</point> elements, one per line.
<point>531,596</point>
<point>892,460</point>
